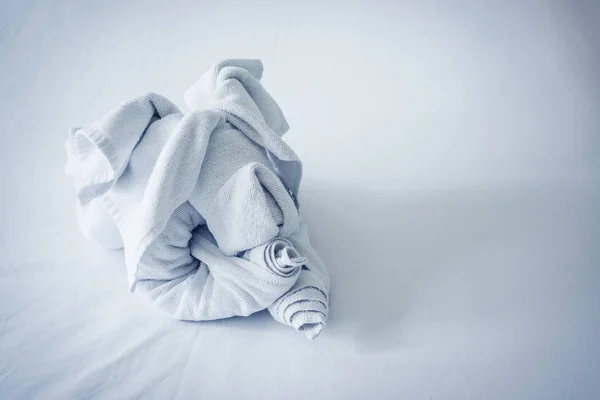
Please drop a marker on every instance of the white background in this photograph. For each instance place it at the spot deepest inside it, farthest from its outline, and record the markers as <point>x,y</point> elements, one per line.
<point>451,155</point>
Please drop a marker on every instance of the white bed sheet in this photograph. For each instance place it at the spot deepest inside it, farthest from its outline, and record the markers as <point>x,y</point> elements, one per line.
<point>459,214</point>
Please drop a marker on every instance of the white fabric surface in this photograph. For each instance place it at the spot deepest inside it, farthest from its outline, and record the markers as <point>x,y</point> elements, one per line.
<point>450,184</point>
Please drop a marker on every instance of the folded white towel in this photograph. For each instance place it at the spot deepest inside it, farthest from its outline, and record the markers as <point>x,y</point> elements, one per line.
<point>147,176</point>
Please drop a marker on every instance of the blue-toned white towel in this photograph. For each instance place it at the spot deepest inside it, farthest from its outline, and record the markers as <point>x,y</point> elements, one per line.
<point>204,203</point>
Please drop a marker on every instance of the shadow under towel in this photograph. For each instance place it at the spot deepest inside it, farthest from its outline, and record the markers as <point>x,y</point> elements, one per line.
<point>204,204</point>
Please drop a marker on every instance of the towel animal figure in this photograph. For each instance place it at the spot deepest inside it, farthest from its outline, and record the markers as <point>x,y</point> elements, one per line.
<point>204,204</point>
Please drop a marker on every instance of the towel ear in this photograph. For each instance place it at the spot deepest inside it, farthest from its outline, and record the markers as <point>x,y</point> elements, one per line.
<point>251,208</point>
<point>98,155</point>
<point>88,165</point>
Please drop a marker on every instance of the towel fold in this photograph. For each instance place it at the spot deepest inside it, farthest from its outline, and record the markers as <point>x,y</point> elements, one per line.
<point>204,203</point>
<point>233,88</point>
<point>279,255</point>
<point>239,194</point>
<point>185,274</point>
<point>305,305</point>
